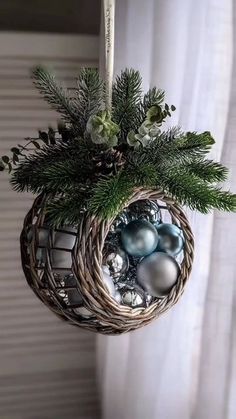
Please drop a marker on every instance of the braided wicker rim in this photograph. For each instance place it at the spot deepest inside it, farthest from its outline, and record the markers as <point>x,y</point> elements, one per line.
<point>109,317</point>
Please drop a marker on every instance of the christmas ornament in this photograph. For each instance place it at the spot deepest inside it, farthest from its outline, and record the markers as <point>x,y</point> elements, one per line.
<point>139,238</point>
<point>117,297</point>
<point>132,297</point>
<point>116,260</point>
<point>114,153</point>
<point>83,311</point>
<point>120,222</point>
<point>170,239</point>
<point>145,210</point>
<point>158,273</point>
<point>108,281</point>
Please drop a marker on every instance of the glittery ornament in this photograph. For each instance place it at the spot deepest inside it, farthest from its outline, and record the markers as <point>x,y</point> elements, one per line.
<point>115,259</point>
<point>158,273</point>
<point>170,239</point>
<point>145,210</point>
<point>139,238</point>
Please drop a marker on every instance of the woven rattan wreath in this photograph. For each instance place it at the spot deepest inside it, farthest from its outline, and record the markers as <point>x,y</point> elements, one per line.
<point>109,317</point>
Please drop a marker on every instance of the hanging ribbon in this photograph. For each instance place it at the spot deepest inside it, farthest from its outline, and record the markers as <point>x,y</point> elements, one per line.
<point>109,23</point>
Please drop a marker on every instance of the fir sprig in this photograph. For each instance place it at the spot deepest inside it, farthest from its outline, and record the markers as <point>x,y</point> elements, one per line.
<point>80,171</point>
<point>126,99</point>
<point>110,195</point>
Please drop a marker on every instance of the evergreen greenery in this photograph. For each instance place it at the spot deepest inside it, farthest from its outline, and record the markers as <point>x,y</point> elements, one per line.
<point>90,164</point>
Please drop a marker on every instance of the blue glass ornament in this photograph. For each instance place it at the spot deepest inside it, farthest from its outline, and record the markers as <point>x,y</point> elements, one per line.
<point>139,238</point>
<point>171,239</point>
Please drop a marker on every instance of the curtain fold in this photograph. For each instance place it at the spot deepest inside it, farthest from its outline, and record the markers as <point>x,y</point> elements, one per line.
<point>175,367</point>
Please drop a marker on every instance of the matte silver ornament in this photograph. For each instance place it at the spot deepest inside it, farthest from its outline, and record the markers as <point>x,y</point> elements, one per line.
<point>139,238</point>
<point>157,274</point>
<point>116,260</point>
<point>145,210</point>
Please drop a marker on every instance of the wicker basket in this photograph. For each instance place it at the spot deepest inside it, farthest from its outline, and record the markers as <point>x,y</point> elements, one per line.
<point>107,316</point>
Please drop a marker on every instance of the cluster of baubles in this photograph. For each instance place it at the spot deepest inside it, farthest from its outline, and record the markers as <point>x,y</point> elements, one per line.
<point>139,262</point>
<point>140,254</point>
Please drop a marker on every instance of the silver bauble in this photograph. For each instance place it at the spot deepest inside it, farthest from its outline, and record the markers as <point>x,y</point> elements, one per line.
<point>83,311</point>
<point>157,274</point>
<point>117,297</point>
<point>145,210</point>
<point>171,239</point>
<point>115,259</point>
<point>139,238</point>
<point>108,281</point>
<point>132,297</point>
<point>120,222</point>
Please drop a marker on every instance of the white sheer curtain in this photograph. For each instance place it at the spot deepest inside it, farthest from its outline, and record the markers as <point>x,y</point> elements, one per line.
<point>180,367</point>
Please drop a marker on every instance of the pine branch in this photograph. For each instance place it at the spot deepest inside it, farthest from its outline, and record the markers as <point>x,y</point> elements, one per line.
<point>56,95</point>
<point>208,170</point>
<point>188,189</point>
<point>126,100</point>
<point>67,209</point>
<point>47,168</point>
<point>110,195</point>
<point>89,95</point>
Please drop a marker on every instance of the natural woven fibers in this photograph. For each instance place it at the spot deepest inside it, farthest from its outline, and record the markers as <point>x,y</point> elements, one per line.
<point>108,316</point>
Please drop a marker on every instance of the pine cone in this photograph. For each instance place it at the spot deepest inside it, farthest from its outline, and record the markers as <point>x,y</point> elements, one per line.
<point>108,162</point>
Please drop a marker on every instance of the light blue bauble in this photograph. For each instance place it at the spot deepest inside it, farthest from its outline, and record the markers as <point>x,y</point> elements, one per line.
<point>139,238</point>
<point>171,239</point>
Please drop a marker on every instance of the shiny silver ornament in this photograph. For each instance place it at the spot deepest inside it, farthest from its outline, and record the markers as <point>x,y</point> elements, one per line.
<point>157,274</point>
<point>108,281</point>
<point>83,311</point>
<point>139,238</point>
<point>117,297</point>
<point>171,239</point>
<point>120,222</point>
<point>145,210</point>
<point>116,260</point>
<point>133,297</point>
